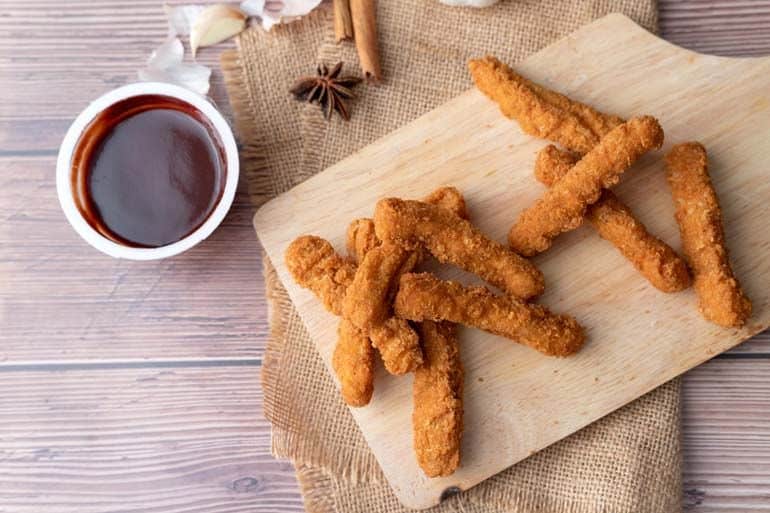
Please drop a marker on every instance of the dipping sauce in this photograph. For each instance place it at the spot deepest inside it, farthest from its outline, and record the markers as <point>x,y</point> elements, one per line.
<point>148,171</point>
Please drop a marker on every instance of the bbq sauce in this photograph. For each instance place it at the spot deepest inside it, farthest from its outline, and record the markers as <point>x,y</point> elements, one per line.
<point>148,171</point>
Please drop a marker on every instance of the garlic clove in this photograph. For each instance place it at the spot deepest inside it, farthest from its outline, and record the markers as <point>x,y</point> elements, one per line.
<point>215,24</point>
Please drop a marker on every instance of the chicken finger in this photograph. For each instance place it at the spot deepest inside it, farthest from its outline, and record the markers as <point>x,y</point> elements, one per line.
<point>454,240</point>
<point>539,111</point>
<point>315,265</point>
<point>368,299</point>
<point>563,206</point>
<point>437,418</point>
<point>353,363</point>
<point>423,297</point>
<point>615,222</point>
<point>700,224</point>
<point>361,237</point>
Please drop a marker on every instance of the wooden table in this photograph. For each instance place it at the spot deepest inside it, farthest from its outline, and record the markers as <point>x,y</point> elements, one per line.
<point>129,386</point>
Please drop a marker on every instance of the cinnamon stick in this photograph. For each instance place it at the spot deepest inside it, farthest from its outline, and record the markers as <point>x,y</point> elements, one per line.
<point>343,23</point>
<point>365,34</point>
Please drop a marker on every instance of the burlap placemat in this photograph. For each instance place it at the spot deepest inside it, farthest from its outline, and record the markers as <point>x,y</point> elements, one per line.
<point>626,462</point>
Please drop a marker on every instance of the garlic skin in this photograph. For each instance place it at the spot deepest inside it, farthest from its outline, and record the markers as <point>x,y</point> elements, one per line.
<point>165,65</point>
<point>181,18</point>
<point>273,12</point>
<point>469,3</point>
<point>215,24</point>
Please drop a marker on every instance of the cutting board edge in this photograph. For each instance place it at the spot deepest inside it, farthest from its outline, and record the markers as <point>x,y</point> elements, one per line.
<point>406,499</point>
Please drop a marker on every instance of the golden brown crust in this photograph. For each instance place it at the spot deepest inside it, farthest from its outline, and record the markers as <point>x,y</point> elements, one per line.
<point>361,239</point>
<point>454,240</point>
<point>449,198</point>
<point>615,222</point>
<point>563,206</point>
<point>700,224</point>
<point>315,265</point>
<point>367,301</point>
<point>353,363</point>
<point>398,345</point>
<point>437,418</point>
<point>541,112</point>
<point>423,297</point>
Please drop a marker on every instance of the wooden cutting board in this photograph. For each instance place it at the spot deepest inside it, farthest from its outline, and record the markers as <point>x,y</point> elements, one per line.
<point>517,400</point>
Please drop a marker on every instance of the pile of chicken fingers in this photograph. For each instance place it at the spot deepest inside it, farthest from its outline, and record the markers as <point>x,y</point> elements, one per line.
<point>387,305</point>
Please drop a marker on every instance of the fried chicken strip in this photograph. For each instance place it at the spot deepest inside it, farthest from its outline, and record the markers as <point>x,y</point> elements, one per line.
<point>539,111</point>
<point>368,299</point>
<point>615,222</point>
<point>361,236</point>
<point>353,364</point>
<point>423,297</point>
<point>361,239</point>
<point>721,298</point>
<point>456,241</point>
<point>563,206</point>
<point>450,199</point>
<point>315,265</point>
<point>437,418</point>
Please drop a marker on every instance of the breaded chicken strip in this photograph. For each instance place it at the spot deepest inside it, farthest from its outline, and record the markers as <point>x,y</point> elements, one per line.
<point>315,265</point>
<point>450,199</point>
<point>361,239</point>
<point>456,241</point>
<point>563,206</point>
<point>423,297</point>
<point>721,298</point>
<point>368,299</point>
<point>615,222</point>
<point>539,111</point>
<point>353,363</point>
<point>437,418</point>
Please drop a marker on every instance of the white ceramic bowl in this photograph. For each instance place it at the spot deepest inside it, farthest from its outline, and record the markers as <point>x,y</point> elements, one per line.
<point>68,146</point>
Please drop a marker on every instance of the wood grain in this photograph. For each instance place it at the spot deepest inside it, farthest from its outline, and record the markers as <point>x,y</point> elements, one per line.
<point>638,338</point>
<point>726,430</point>
<point>170,440</point>
<point>183,440</point>
<point>81,48</point>
<point>61,300</point>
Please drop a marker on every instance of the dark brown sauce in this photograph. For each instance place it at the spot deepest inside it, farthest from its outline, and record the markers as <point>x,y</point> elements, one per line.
<point>148,171</point>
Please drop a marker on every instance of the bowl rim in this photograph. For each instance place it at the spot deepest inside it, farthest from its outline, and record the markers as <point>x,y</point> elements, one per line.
<point>67,149</point>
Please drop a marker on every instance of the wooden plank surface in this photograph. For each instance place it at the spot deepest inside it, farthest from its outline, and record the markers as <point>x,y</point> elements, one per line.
<point>61,300</point>
<point>57,55</point>
<point>160,439</point>
<point>192,439</point>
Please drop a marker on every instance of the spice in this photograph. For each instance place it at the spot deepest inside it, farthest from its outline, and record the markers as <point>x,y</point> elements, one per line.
<point>328,89</point>
<point>365,33</point>
<point>343,24</point>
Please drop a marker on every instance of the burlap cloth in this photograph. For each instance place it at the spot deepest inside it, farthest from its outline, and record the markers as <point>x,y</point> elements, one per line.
<point>627,462</point>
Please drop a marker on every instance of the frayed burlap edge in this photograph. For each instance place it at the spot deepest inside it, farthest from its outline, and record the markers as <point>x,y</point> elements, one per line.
<point>318,481</point>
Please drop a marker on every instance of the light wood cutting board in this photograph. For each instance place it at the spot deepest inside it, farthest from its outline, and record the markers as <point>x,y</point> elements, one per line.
<point>517,400</point>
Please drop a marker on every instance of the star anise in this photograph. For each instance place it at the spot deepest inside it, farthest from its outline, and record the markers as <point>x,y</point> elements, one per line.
<point>328,89</point>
